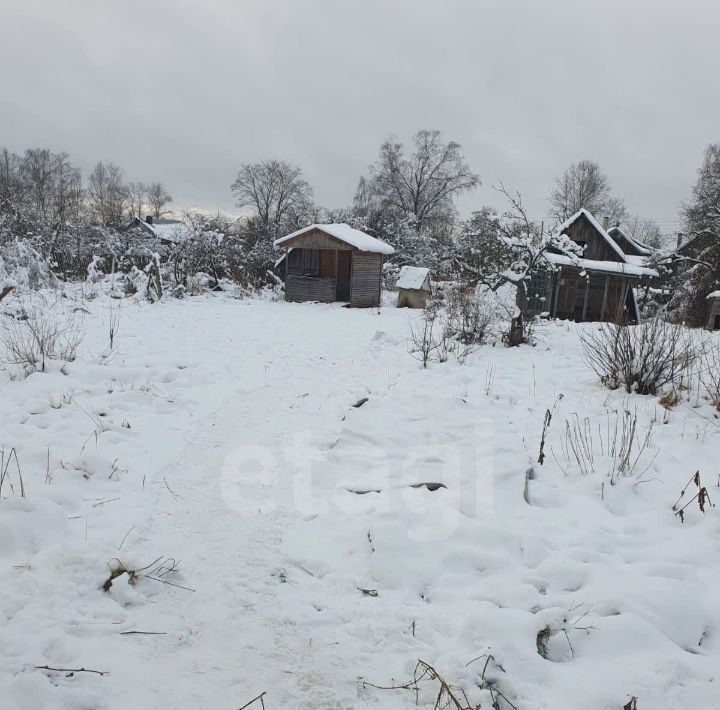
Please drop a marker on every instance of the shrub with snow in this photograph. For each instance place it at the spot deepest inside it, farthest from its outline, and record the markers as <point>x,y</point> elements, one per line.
<point>37,337</point>
<point>24,267</point>
<point>644,358</point>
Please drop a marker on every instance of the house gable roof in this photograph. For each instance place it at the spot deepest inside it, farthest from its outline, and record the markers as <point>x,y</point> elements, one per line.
<point>642,249</point>
<point>169,230</point>
<point>584,214</point>
<point>344,233</point>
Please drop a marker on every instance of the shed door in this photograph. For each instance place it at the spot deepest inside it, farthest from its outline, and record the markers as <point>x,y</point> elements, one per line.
<point>344,260</point>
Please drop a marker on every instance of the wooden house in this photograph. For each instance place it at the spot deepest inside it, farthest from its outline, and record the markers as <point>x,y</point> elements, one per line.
<point>333,262</point>
<point>413,287</point>
<point>597,286</point>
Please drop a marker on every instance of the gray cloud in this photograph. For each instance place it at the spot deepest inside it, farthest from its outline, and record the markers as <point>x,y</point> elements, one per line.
<point>185,91</point>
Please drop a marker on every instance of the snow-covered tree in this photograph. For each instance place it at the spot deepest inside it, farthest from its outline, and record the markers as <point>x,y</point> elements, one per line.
<point>697,268</point>
<point>507,251</point>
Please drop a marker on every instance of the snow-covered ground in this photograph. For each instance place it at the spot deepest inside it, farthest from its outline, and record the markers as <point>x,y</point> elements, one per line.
<point>219,449</point>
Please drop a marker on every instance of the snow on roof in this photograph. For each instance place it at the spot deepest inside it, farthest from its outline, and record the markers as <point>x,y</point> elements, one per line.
<point>714,294</point>
<point>608,267</point>
<point>637,260</point>
<point>412,277</point>
<point>584,213</point>
<point>170,230</point>
<point>345,233</point>
<point>640,246</point>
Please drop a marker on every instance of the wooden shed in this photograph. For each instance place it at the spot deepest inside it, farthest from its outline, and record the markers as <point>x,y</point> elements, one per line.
<point>413,287</point>
<point>713,300</point>
<point>333,262</point>
<point>597,286</point>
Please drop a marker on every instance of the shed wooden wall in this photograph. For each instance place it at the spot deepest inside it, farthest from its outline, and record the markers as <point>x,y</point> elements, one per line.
<point>569,298</point>
<point>713,314</point>
<point>309,288</point>
<point>365,280</point>
<point>315,239</point>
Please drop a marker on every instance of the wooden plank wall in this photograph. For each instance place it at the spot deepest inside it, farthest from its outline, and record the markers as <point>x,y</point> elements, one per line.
<point>366,277</point>
<point>326,266</point>
<point>309,288</point>
<point>597,248</point>
<point>316,239</point>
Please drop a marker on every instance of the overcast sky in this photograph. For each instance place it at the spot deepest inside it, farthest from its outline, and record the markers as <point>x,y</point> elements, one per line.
<point>184,91</point>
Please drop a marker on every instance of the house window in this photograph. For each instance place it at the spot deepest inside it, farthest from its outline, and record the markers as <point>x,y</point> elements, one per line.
<point>311,262</point>
<point>303,261</point>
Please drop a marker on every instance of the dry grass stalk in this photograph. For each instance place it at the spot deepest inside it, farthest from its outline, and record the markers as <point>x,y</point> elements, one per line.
<point>702,496</point>
<point>583,446</point>
<point>5,461</point>
<point>449,697</point>
<point>257,699</point>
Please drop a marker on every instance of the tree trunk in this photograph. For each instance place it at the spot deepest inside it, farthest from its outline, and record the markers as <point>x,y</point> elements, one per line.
<point>516,335</point>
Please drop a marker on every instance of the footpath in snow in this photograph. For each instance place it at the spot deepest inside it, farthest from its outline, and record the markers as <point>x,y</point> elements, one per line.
<point>307,548</point>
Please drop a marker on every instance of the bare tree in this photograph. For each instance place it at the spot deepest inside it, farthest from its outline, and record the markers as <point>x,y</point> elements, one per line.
<point>584,185</point>
<point>276,190</point>
<point>68,190</point>
<point>158,198</point>
<point>38,174</point>
<point>107,193</point>
<point>10,179</point>
<point>423,185</point>
<point>646,231</point>
<point>137,195</point>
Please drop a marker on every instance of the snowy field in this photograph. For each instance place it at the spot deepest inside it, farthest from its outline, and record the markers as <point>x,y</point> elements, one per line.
<point>278,539</point>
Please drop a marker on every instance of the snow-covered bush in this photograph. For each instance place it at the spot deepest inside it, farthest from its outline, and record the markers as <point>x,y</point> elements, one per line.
<point>472,315</point>
<point>24,267</point>
<point>429,339</point>
<point>37,337</point>
<point>643,358</point>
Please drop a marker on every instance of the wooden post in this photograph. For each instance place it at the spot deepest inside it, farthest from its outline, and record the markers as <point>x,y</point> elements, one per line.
<point>587,294</point>
<point>623,303</point>
<point>605,293</point>
<point>558,276</point>
<point>336,274</point>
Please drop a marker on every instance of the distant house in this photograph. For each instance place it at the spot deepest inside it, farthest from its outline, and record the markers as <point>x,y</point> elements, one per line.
<point>168,231</point>
<point>597,286</point>
<point>333,262</point>
<point>413,287</point>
